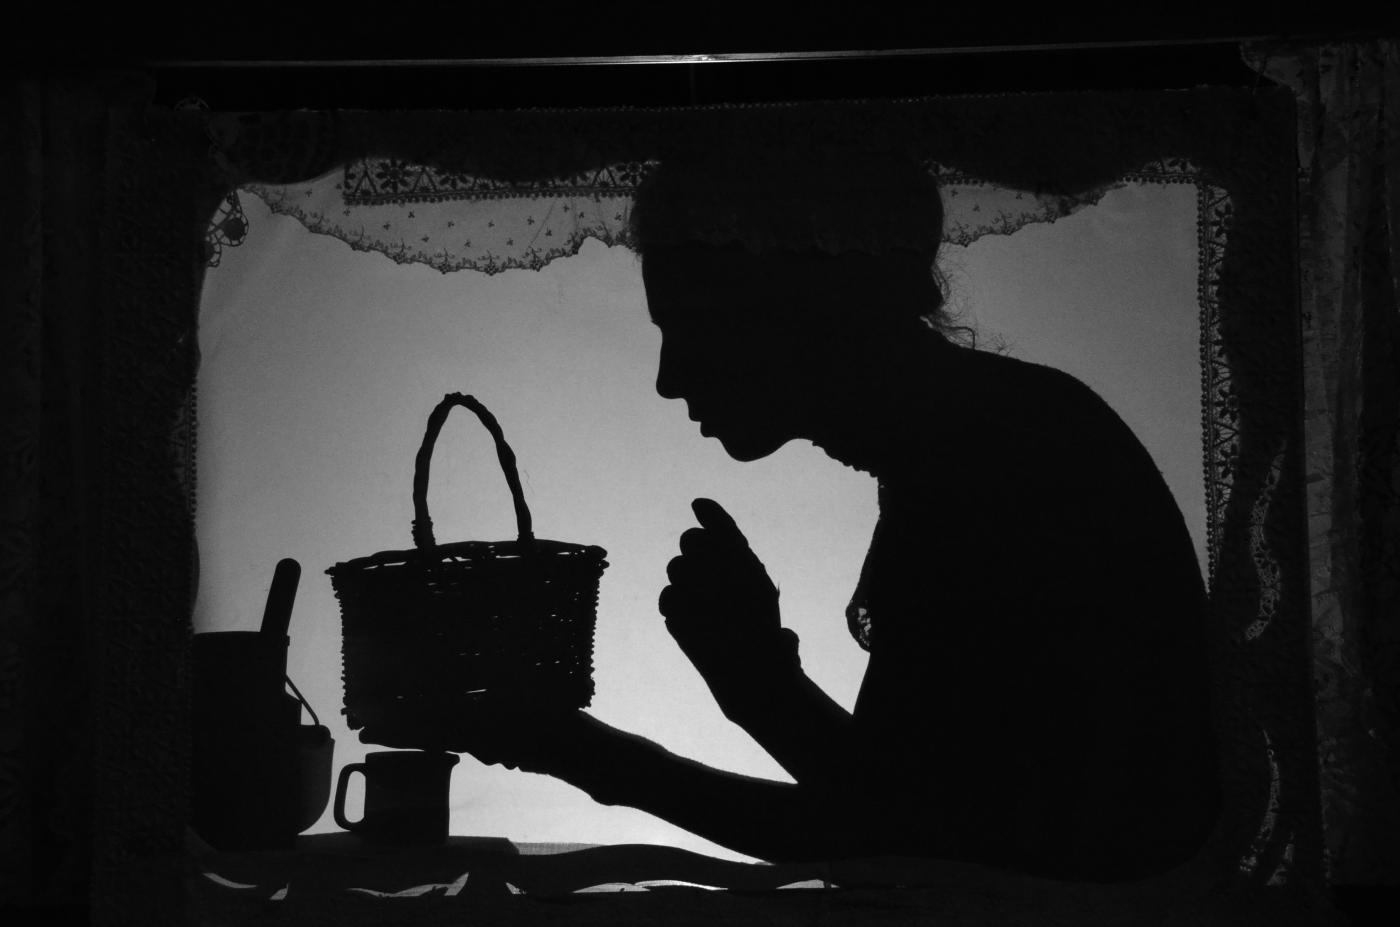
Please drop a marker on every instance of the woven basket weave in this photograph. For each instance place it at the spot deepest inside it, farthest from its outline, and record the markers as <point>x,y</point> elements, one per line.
<point>433,631</point>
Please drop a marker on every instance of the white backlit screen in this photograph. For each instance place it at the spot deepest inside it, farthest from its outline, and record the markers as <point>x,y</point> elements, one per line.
<point>320,365</point>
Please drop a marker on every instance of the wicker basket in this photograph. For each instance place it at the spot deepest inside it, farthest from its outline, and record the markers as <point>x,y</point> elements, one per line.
<point>436,630</point>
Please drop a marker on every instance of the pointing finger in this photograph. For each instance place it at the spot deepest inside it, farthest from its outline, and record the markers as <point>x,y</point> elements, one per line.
<point>712,515</point>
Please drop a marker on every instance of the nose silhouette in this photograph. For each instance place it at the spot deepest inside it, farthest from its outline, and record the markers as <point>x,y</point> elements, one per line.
<point>668,375</point>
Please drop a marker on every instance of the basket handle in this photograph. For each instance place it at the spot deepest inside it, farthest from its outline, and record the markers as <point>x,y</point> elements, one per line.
<point>422,524</point>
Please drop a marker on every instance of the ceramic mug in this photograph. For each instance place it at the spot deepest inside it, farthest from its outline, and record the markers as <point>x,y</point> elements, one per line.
<point>405,796</point>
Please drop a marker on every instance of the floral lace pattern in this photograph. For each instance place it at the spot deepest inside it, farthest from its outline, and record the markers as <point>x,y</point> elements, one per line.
<point>451,221</point>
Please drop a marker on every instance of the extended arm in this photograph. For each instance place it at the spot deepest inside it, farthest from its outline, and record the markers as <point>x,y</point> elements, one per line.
<point>770,820</point>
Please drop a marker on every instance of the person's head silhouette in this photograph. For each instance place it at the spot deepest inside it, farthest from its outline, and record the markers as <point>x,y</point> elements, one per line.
<point>781,286</point>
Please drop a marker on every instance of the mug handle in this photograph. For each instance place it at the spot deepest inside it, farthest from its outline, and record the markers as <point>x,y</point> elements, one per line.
<point>338,809</point>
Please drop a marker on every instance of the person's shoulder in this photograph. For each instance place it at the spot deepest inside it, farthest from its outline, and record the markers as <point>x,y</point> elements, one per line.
<point>1043,396</point>
<point>1024,373</point>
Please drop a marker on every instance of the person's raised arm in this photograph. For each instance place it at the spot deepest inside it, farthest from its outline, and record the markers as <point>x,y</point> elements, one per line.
<point>722,609</point>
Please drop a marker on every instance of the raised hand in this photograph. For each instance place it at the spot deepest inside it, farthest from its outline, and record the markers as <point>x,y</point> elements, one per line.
<point>722,609</point>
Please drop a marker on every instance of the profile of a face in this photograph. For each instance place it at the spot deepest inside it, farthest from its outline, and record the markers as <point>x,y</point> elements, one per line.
<point>732,345</point>
<point>827,272</point>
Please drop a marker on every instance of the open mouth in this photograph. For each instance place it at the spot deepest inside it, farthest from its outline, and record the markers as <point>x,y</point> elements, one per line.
<point>702,419</point>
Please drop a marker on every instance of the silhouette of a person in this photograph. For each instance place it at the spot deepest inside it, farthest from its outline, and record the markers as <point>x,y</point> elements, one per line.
<point>1036,696</point>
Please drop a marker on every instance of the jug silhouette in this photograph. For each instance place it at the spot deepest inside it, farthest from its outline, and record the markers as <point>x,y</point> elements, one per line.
<point>258,775</point>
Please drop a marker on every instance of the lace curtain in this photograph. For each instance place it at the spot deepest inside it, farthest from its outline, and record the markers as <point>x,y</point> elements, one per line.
<point>1349,207</point>
<point>416,213</point>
